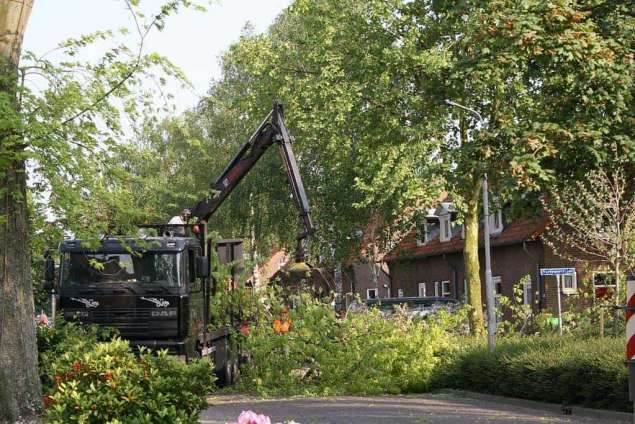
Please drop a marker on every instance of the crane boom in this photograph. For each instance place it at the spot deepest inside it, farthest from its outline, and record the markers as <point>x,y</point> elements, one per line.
<point>272,130</point>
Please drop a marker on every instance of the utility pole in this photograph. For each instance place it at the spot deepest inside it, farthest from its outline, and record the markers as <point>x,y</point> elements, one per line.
<point>489,289</point>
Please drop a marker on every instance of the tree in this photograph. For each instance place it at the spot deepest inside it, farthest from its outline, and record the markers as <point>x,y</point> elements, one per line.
<point>363,154</point>
<point>66,133</point>
<point>526,68</point>
<point>594,221</point>
<point>19,379</point>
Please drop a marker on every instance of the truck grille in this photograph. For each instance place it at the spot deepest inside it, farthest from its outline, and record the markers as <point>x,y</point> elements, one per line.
<point>116,314</point>
<point>131,322</point>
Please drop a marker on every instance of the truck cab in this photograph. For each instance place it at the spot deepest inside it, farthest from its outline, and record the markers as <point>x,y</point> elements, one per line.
<point>153,290</point>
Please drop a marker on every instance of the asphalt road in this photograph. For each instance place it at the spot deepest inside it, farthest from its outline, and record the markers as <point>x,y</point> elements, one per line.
<point>442,408</point>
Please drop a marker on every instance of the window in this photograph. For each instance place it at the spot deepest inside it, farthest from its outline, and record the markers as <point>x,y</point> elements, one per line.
<point>436,289</point>
<point>569,284</point>
<point>423,233</point>
<point>498,292</point>
<point>422,289</point>
<point>527,292</point>
<point>446,228</point>
<point>498,285</point>
<point>371,294</point>
<point>496,222</point>
<point>465,290</point>
<point>399,292</point>
<point>462,231</point>
<point>445,289</point>
<point>603,284</point>
<point>140,268</point>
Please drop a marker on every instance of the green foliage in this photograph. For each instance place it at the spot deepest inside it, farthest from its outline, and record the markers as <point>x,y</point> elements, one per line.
<point>87,380</point>
<point>53,342</point>
<point>571,370</point>
<point>362,353</point>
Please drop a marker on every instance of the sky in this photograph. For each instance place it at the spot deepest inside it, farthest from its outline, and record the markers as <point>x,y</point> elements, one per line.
<point>192,40</point>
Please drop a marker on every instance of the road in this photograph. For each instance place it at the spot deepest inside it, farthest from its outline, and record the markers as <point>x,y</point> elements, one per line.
<point>442,408</point>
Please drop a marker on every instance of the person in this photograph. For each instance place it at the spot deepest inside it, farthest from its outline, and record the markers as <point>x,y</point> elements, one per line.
<point>42,320</point>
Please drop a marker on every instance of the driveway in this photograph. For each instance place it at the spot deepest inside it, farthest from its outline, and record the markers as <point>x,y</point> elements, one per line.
<point>445,407</point>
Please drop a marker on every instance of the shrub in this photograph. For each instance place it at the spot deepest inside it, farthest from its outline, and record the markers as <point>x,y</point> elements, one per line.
<point>103,382</point>
<point>589,372</point>
<point>363,353</point>
<point>53,342</point>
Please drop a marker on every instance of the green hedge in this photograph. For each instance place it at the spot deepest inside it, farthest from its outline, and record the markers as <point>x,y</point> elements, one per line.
<point>587,372</point>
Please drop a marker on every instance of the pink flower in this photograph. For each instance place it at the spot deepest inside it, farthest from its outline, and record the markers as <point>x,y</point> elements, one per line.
<point>250,417</point>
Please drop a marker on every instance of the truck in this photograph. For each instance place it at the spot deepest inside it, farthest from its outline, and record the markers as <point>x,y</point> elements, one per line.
<point>155,290</point>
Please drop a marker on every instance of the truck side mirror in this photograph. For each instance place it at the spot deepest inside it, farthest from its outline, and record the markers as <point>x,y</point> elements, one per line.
<point>49,272</point>
<point>202,267</point>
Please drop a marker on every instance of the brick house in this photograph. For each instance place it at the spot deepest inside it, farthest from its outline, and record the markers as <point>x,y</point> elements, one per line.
<point>429,261</point>
<point>368,280</point>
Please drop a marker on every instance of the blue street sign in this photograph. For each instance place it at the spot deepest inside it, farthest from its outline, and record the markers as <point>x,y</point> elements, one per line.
<point>557,271</point>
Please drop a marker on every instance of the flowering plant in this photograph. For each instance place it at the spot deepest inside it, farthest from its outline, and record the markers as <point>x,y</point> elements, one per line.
<point>250,417</point>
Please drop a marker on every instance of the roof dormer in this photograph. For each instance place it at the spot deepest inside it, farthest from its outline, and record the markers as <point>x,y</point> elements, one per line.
<point>445,224</point>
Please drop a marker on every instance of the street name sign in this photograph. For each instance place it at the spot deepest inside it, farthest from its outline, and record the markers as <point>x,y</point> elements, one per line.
<point>557,271</point>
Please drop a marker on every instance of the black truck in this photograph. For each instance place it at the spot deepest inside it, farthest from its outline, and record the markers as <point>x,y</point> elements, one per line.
<point>156,290</point>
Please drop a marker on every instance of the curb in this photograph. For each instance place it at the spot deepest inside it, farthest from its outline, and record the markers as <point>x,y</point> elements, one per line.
<point>576,411</point>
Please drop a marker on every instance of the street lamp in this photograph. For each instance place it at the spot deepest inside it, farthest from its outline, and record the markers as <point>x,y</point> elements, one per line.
<point>489,285</point>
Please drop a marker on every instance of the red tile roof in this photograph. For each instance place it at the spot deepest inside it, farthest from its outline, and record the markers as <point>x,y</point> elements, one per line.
<point>525,229</point>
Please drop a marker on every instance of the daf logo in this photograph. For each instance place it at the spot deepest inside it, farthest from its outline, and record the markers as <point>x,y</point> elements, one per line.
<point>89,303</point>
<point>156,314</point>
<point>159,303</point>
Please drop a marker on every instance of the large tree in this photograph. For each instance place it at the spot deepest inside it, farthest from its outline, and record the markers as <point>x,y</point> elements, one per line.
<point>546,82</point>
<point>363,147</point>
<point>60,138</point>
<point>19,379</point>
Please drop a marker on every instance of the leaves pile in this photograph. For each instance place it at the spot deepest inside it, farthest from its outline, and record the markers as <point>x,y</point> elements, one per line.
<point>362,353</point>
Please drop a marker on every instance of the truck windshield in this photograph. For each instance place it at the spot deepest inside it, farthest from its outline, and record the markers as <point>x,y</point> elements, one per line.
<point>85,268</point>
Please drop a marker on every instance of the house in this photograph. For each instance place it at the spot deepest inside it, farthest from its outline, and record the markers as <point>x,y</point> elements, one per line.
<point>367,279</point>
<point>428,261</point>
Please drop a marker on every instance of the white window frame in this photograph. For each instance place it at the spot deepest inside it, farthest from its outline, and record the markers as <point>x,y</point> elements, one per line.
<point>527,294</point>
<point>463,231</point>
<point>374,290</point>
<point>603,285</point>
<point>444,292</point>
<point>494,226</point>
<point>426,235</point>
<point>436,288</point>
<point>445,230</point>
<point>574,283</point>
<point>422,293</point>
<point>399,292</point>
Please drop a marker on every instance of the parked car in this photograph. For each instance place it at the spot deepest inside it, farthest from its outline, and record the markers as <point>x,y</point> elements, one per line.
<point>416,306</point>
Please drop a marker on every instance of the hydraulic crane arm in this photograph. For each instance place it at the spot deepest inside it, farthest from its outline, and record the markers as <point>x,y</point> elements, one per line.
<point>271,130</point>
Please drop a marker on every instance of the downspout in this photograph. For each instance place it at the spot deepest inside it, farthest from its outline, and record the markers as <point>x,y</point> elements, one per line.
<point>538,278</point>
<point>454,280</point>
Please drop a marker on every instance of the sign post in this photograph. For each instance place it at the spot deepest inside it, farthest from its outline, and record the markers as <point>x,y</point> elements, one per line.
<point>558,272</point>
<point>630,338</point>
<point>559,289</point>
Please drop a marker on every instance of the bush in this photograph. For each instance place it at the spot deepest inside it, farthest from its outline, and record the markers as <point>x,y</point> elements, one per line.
<point>589,372</point>
<point>103,382</point>
<point>321,354</point>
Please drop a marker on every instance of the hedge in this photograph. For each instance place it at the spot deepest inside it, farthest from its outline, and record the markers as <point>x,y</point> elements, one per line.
<point>569,370</point>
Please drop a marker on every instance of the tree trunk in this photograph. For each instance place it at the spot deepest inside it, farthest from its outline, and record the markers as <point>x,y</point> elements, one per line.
<point>19,381</point>
<point>470,255</point>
